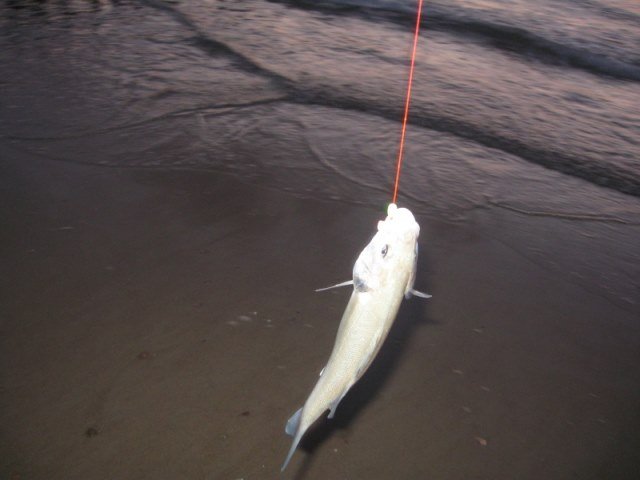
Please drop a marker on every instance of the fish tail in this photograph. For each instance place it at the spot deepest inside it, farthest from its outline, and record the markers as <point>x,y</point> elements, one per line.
<point>294,445</point>
<point>293,423</point>
<point>293,429</point>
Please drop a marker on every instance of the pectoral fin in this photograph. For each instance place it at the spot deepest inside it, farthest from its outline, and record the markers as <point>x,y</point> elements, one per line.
<point>338,285</point>
<point>412,278</point>
<point>417,294</point>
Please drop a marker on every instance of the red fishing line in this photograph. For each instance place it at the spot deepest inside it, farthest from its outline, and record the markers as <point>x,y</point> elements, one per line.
<point>407,101</point>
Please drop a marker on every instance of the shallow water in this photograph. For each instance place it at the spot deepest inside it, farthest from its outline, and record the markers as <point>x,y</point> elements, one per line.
<point>520,115</point>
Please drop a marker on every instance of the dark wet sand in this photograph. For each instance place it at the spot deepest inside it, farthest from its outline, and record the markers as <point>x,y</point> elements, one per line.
<point>163,324</point>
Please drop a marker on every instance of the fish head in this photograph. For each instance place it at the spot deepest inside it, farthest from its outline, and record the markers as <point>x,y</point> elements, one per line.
<point>390,254</point>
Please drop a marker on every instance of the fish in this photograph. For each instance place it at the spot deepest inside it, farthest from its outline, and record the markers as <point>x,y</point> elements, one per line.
<point>383,274</point>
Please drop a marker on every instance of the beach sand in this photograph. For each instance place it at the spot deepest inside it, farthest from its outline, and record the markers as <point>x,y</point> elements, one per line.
<point>164,324</point>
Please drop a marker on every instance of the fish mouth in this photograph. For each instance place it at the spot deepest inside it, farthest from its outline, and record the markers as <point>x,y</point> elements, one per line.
<point>399,222</point>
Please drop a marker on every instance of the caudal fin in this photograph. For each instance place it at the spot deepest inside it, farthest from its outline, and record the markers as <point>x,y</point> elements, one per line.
<point>293,423</point>
<point>293,429</point>
<point>294,445</point>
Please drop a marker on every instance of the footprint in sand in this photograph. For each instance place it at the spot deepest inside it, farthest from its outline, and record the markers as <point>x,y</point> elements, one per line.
<point>249,319</point>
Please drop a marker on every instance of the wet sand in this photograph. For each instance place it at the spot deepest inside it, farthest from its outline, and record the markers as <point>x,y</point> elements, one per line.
<point>163,324</point>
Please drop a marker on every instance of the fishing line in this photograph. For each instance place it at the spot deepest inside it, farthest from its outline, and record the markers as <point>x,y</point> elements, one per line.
<point>407,101</point>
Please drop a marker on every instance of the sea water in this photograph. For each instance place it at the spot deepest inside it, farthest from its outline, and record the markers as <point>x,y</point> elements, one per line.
<point>524,116</point>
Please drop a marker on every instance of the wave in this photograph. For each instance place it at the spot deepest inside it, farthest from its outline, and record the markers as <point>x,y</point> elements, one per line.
<point>610,11</point>
<point>604,174</point>
<point>513,39</point>
<point>530,45</point>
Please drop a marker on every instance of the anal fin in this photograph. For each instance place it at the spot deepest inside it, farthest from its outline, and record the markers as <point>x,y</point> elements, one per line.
<point>334,405</point>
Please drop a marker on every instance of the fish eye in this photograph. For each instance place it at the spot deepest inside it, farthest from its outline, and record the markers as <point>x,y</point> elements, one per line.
<point>384,251</point>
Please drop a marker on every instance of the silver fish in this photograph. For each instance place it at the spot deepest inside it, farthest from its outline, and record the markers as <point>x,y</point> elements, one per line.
<point>382,274</point>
